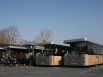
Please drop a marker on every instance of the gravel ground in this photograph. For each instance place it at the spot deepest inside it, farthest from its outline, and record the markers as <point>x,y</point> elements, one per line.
<point>33,71</point>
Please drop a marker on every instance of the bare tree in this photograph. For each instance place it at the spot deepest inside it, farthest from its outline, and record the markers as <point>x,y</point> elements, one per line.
<point>4,38</point>
<point>13,34</point>
<point>44,36</point>
<point>10,35</point>
<point>23,42</point>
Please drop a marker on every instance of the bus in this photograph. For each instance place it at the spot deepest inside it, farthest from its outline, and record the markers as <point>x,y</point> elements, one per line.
<point>32,49</point>
<point>83,52</point>
<point>52,55</point>
<point>15,55</point>
<point>2,50</point>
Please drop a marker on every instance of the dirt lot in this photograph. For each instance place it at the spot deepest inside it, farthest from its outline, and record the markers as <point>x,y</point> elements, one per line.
<point>33,71</point>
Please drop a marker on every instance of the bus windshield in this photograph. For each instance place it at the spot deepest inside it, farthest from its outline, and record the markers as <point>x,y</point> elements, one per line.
<point>78,48</point>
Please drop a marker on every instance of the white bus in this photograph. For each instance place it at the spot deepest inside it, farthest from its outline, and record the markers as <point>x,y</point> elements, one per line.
<point>52,55</point>
<point>83,52</point>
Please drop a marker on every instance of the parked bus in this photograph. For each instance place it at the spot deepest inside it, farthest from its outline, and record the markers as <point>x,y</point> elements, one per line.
<point>52,55</point>
<point>2,61</point>
<point>34,49</point>
<point>83,52</point>
<point>18,55</point>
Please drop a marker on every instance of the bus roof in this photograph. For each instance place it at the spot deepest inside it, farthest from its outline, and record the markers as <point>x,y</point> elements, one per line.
<point>45,44</point>
<point>14,47</point>
<point>79,40</point>
<point>1,48</point>
<point>75,40</point>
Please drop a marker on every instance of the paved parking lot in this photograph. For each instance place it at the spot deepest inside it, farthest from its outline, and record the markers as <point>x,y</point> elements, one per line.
<point>33,71</point>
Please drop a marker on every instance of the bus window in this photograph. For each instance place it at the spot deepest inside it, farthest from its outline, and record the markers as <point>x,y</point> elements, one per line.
<point>92,48</point>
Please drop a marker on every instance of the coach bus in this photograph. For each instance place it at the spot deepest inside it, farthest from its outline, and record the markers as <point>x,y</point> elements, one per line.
<point>52,55</point>
<point>83,52</point>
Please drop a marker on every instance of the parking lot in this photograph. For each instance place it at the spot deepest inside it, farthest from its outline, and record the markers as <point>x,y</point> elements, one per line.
<point>34,71</point>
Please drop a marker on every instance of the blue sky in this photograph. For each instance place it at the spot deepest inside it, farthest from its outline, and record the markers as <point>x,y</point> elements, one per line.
<point>66,18</point>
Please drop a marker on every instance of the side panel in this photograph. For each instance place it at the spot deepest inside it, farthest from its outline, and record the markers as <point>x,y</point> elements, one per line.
<point>101,59</point>
<point>56,60</point>
<point>92,59</point>
<point>48,60</point>
<point>42,60</point>
<point>83,60</point>
<point>74,60</point>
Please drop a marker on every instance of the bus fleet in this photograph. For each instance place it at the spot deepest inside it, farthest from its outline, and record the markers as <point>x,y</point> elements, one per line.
<point>74,52</point>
